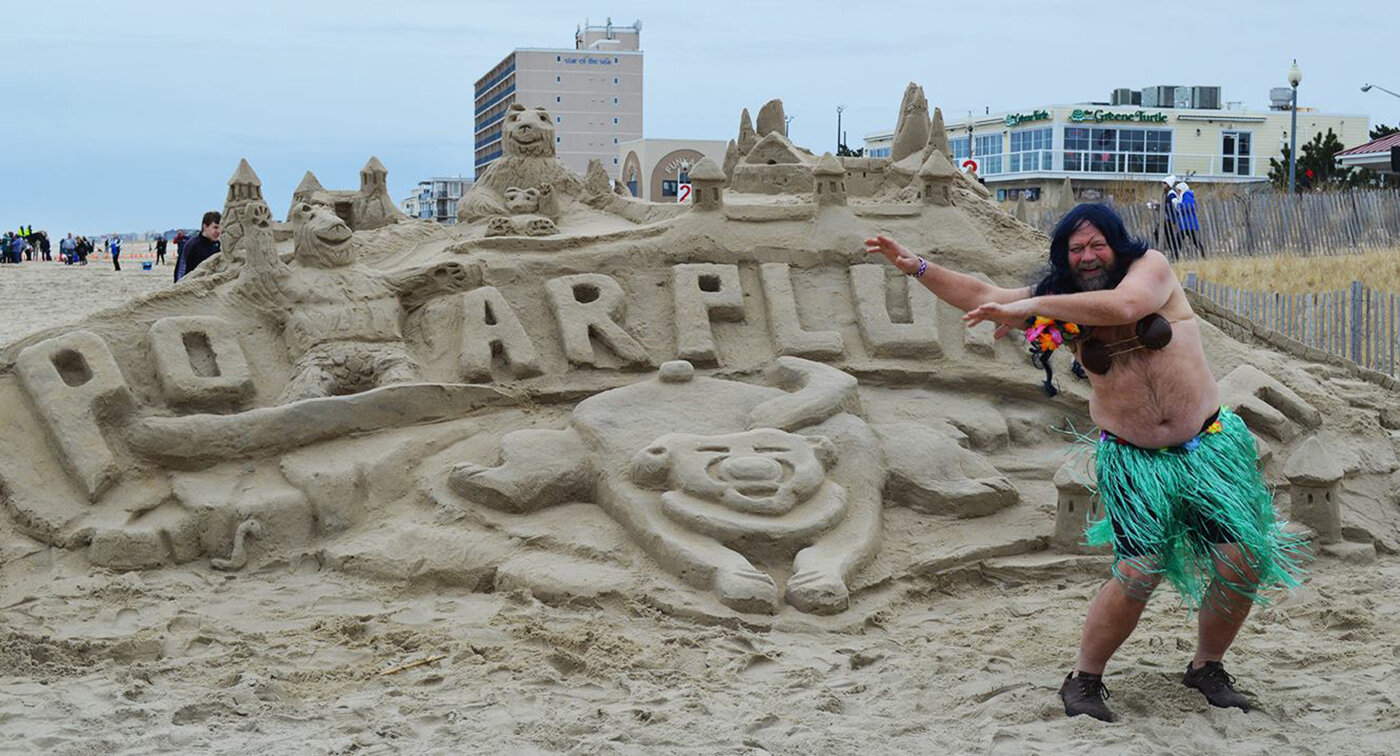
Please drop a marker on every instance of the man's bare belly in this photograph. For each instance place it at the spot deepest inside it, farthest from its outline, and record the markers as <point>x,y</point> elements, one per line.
<point>1155,399</point>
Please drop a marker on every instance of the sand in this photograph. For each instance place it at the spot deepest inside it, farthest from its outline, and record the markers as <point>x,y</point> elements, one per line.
<point>39,295</point>
<point>289,656</point>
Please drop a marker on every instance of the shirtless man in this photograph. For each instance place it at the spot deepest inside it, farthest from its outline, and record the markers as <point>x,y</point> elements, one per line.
<point>1178,475</point>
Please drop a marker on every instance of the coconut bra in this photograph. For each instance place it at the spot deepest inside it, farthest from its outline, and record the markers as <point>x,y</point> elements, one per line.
<point>1045,335</point>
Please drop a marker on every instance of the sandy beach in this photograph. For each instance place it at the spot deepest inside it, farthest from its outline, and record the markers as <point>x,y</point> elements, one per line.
<point>291,656</point>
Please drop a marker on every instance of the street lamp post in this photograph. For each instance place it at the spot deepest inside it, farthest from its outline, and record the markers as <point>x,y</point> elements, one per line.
<point>1369,87</point>
<point>839,109</point>
<point>1295,76</point>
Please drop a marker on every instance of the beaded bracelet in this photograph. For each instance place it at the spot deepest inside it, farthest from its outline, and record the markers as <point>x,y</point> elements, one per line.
<point>923,267</point>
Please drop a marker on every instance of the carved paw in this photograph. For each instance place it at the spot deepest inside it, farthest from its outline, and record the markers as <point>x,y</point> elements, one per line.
<point>465,479</point>
<point>500,226</point>
<point>816,592</point>
<point>541,227</point>
<point>747,590</point>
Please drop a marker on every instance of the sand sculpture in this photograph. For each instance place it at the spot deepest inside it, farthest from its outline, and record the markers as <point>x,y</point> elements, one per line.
<point>764,422</point>
<point>708,474</point>
<point>340,320</point>
<point>367,208</point>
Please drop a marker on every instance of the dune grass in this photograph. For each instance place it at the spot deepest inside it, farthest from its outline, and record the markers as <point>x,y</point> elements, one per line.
<point>1295,274</point>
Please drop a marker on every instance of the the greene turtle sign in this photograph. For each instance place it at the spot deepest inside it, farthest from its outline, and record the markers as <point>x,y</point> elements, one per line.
<point>1103,116</point>
<point>1016,119</point>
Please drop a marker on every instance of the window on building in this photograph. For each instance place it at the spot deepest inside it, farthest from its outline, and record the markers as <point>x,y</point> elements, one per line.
<point>614,140</point>
<point>614,79</point>
<point>1031,194</point>
<point>1030,150</point>
<point>988,154</point>
<point>557,98</point>
<point>558,79</point>
<point>614,100</point>
<point>558,119</point>
<point>879,152</point>
<point>614,161</point>
<point>1235,152</point>
<point>614,121</point>
<point>1113,150</point>
<point>958,145</point>
<point>668,188</point>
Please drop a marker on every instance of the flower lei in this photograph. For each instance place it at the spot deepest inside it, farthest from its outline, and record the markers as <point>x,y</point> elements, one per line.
<point>1045,335</point>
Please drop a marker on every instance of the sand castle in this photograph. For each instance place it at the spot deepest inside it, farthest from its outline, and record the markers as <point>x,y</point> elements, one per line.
<point>721,408</point>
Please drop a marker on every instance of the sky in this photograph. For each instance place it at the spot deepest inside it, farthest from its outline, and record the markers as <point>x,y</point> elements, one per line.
<point>131,116</point>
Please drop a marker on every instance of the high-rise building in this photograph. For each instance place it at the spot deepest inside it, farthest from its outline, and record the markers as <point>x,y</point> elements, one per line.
<point>593,92</point>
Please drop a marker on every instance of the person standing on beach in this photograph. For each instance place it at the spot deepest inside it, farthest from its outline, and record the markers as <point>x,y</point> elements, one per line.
<point>202,247</point>
<point>1178,475</point>
<point>160,250</point>
<point>116,248</point>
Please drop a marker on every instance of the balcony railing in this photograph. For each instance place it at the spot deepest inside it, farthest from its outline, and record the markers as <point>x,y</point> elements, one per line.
<point>1129,165</point>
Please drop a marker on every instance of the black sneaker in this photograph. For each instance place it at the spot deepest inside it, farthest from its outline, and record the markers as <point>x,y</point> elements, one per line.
<point>1086,694</point>
<point>1217,685</point>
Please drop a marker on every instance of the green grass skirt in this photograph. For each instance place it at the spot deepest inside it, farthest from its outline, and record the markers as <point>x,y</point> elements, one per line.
<point>1169,505</point>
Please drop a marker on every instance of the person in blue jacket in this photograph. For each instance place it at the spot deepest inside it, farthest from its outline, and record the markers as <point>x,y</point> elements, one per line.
<point>1187,222</point>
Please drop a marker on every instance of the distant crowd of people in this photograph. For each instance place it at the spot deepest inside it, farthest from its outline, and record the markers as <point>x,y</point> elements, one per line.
<point>28,245</point>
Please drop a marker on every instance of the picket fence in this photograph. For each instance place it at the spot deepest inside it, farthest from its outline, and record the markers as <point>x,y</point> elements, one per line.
<point>1266,224</point>
<point>1357,323</point>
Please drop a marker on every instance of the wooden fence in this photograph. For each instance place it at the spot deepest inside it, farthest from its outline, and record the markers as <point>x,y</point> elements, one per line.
<point>1266,224</point>
<point>1357,323</point>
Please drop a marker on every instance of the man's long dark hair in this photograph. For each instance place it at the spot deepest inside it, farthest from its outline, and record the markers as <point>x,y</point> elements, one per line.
<point>1060,277</point>
<point>1126,248</point>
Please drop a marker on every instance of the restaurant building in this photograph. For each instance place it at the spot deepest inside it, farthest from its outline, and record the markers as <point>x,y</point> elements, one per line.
<point>1141,136</point>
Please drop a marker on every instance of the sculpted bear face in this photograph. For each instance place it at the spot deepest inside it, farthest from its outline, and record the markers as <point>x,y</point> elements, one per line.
<point>763,471</point>
<point>528,133</point>
<point>322,238</point>
<point>521,201</point>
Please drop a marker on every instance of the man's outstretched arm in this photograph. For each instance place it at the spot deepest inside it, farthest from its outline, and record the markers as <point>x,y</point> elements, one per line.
<point>957,289</point>
<point>1144,290</point>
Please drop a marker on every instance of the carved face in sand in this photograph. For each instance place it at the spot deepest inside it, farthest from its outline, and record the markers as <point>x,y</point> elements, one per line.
<point>528,133</point>
<point>322,238</point>
<point>520,201</point>
<point>763,471</point>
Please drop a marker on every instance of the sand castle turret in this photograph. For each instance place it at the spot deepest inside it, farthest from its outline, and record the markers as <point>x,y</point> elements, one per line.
<point>830,178</point>
<point>308,187</point>
<point>938,135</point>
<point>1065,202</point>
<point>936,178</point>
<point>1314,482</point>
<point>771,119</point>
<point>244,185</point>
<point>747,136</point>
<point>707,185</point>
<point>912,129</point>
<point>1076,507</point>
<point>373,176</point>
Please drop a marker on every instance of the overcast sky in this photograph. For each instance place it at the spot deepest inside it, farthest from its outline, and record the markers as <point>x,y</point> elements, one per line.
<point>128,116</point>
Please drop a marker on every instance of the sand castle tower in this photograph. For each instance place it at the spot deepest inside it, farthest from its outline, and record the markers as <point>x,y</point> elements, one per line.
<point>374,176</point>
<point>1314,482</point>
<point>308,187</point>
<point>747,136</point>
<point>1066,198</point>
<point>936,179</point>
<point>771,120</point>
<point>244,194</point>
<point>707,185</point>
<point>911,131</point>
<point>830,178</point>
<point>1077,506</point>
<point>938,134</point>
<point>244,185</point>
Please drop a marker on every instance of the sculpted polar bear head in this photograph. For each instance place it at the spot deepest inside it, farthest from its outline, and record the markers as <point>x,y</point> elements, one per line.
<point>763,471</point>
<point>528,133</point>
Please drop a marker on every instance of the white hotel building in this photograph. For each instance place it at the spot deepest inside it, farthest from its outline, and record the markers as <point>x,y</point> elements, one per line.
<point>1098,144</point>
